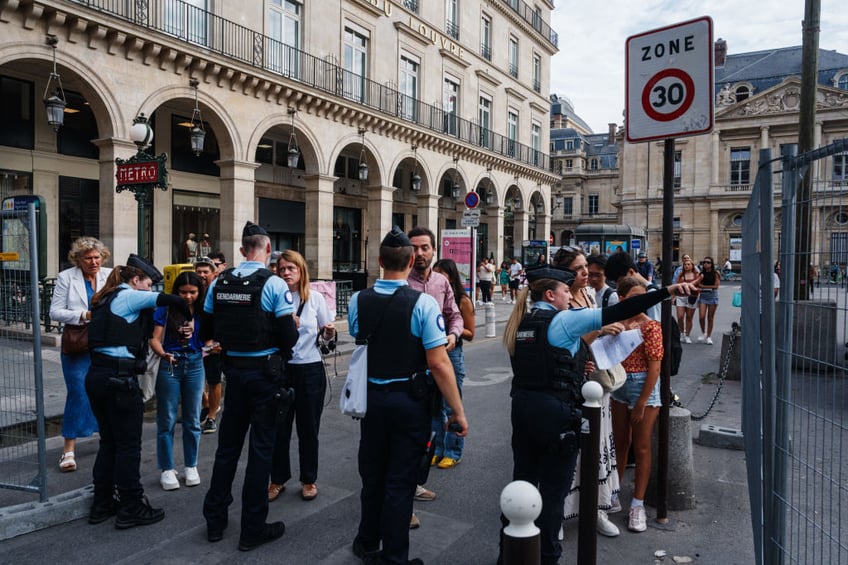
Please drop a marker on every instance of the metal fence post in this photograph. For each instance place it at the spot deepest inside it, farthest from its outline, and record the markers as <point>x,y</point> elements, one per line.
<point>587,531</point>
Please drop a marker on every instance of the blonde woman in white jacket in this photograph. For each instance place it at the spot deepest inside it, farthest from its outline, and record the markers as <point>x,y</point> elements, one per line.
<point>70,305</point>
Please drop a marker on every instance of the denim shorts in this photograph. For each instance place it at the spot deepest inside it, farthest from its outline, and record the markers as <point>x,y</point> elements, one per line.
<point>632,390</point>
<point>708,297</point>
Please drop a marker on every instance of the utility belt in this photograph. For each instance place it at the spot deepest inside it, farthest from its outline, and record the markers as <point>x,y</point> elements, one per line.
<point>119,365</point>
<point>418,386</point>
<point>564,394</point>
<point>249,362</point>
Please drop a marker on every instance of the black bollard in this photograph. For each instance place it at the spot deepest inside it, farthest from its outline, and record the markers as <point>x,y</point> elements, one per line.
<point>587,532</point>
<point>521,504</point>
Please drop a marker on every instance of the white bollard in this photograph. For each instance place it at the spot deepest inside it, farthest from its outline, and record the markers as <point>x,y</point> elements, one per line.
<point>521,504</point>
<point>490,319</point>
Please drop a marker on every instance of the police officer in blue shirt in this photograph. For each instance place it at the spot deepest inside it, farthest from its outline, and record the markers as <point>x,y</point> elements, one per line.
<point>121,324</point>
<point>405,333</point>
<point>249,312</point>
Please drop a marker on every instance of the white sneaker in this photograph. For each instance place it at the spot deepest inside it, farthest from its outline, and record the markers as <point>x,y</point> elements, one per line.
<point>615,506</point>
<point>638,520</point>
<point>687,339</point>
<point>700,338</point>
<point>192,478</point>
<point>709,341</point>
<point>168,480</point>
<point>605,527</point>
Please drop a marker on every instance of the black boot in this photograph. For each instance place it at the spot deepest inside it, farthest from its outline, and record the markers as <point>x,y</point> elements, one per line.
<point>102,509</point>
<point>268,532</point>
<point>137,513</point>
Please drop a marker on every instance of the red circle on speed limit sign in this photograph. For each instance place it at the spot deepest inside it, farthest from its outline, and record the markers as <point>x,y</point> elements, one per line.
<point>677,94</point>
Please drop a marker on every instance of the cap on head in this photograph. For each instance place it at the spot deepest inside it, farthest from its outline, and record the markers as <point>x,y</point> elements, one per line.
<point>145,267</point>
<point>275,255</point>
<point>396,238</point>
<point>643,255</point>
<point>252,229</point>
<point>560,274</point>
<point>205,261</point>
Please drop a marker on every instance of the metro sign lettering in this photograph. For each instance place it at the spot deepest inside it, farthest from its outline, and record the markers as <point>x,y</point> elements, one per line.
<point>138,173</point>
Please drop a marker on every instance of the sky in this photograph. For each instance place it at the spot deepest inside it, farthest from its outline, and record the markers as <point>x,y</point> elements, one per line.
<point>589,68</point>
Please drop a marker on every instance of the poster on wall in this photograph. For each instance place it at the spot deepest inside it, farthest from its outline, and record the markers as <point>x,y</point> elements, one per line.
<point>735,249</point>
<point>590,247</point>
<point>457,245</point>
<point>616,245</point>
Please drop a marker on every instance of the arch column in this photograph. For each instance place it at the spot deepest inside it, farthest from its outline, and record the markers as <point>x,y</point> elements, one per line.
<point>716,137</point>
<point>118,212</point>
<point>428,212</point>
<point>764,137</point>
<point>379,223</point>
<point>319,222</point>
<point>495,220</point>
<point>238,204</point>
<point>714,232</point>
<point>520,229</point>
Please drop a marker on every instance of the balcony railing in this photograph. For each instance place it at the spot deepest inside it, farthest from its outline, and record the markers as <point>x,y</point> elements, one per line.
<point>529,15</point>
<point>513,70</point>
<point>486,52</point>
<point>452,30</point>
<point>226,38</point>
<point>411,5</point>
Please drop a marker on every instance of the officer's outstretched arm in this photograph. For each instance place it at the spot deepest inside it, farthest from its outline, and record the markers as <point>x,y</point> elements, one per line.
<point>440,366</point>
<point>288,333</point>
<point>174,301</point>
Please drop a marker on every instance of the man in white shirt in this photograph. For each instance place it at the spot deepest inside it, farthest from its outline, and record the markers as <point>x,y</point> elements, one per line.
<point>515,270</point>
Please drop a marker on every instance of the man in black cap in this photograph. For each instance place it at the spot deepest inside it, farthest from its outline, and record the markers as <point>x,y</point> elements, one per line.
<point>405,333</point>
<point>645,267</point>
<point>249,312</point>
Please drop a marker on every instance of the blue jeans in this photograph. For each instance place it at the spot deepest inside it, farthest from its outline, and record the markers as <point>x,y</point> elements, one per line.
<point>181,383</point>
<point>447,443</point>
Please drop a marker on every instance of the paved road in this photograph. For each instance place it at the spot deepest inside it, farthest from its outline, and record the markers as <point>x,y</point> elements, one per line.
<point>460,526</point>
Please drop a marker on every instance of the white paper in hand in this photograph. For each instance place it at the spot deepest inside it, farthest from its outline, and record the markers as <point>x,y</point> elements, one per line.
<point>611,349</point>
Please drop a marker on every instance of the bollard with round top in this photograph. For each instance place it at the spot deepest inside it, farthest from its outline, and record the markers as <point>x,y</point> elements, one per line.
<point>521,504</point>
<point>587,539</point>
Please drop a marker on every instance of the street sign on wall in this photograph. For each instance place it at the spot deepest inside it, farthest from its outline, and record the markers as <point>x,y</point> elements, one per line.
<point>670,84</point>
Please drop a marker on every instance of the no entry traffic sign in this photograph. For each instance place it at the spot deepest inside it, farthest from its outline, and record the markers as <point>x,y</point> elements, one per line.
<point>670,81</point>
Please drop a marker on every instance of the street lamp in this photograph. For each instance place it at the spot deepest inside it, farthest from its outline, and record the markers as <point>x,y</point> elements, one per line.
<point>54,104</point>
<point>294,150</point>
<point>363,166</point>
<point>197,134</point>
<point>141,174</point>
<point>490,195</point>
<point>455,183</point>
<point>416,178</point>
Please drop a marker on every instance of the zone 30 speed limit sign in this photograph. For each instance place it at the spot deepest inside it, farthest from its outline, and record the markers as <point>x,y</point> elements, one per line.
<point>670,81</point>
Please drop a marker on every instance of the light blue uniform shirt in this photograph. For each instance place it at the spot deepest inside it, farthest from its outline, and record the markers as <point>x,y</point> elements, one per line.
<point>426,323</point>
<point>568,326</point>
<point>128,304</point>
<point>275,298</point>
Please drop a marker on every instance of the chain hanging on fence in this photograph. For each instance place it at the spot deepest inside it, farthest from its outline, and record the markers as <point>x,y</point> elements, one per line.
<point>735,331</point>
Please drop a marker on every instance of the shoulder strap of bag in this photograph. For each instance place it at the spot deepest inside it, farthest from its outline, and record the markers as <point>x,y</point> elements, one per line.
<point>606,297</point>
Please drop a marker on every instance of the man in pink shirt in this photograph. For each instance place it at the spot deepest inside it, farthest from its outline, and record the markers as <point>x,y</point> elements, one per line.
<point>422,278</point>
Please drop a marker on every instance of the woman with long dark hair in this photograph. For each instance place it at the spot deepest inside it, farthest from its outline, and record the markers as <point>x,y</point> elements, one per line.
<point>708,299</point>
<point>449,446</point>
<point>121,320</point>
<point>179,381</point>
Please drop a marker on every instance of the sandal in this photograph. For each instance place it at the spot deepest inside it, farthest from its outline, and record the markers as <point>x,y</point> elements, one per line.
<point>274,491</point>
<point>67,463</point>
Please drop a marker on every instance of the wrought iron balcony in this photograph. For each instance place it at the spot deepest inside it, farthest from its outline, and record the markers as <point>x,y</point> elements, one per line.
<point>486,52</point>
<point>452,30</point>
<point>200,27</point>
<point>529,15</point>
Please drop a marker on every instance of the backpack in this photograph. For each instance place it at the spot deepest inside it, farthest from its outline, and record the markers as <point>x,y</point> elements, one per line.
<point>676,353</point>
<point>605,298</point>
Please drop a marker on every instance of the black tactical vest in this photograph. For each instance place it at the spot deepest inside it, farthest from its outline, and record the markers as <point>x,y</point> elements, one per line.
<point>393,352</point>
<point>538,365</point>
<point>110,330</point>
<point>240,323</point>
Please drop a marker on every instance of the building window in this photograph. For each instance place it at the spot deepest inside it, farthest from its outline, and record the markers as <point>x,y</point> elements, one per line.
<point>569,164</point>
<point>513,57</point>
<point>183,158</point>
<point>16,100</point>
<point>451,104</point>
<point>408,87</point>
<point>594,165</point>
<point>842,83</point>
<point>742,93</point>
<point>484,116</point>
<point>512,133</point>
<point>536,141</point>
<point>569,145</point>
<point>593,204</point>
<point>284,31</point>
<point>678,156</point>
<point>411,5</point>
<point>347,246</point>
<point>74,137</point>
<point>193,212</point>
<point>452,18</point>
<point>568,206</point>
<point>187,20</point>
<point>840,167</point>
<point>537,73</point>
<point>740,165</point>
<point>355,63</point>
<point>486,37</point>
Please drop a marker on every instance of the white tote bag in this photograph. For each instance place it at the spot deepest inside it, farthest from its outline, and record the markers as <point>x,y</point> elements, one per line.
<point>353,400</point>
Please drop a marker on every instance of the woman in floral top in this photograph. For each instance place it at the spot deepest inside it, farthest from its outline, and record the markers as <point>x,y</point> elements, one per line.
<point>636,405</point>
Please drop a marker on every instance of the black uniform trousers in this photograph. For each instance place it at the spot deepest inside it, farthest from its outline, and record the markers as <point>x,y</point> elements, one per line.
<point>394,434</point>
<point>251,405</point>
<point>117,404</point>
<point>310,385</point>
<point>544,451</point>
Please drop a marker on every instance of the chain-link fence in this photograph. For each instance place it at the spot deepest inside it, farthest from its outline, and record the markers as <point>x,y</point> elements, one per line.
<point>22,434</point>
<point>795,417</point>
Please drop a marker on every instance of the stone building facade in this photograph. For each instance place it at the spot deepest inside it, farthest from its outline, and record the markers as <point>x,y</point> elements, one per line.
<point>451,92</point>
